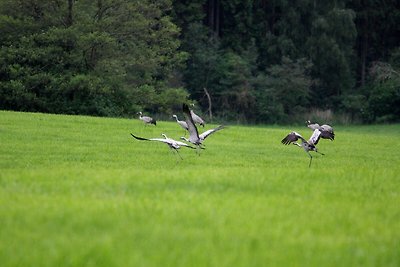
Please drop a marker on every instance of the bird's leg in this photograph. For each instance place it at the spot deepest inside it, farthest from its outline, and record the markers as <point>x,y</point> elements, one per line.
<point>177,152</point>
<point>172,150</point>
<point>198,150</point>
<point>309,165</point>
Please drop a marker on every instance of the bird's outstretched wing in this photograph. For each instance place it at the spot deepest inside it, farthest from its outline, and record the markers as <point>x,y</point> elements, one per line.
<point>327,132</point>
<point>194,134</point>
<point>151,139</point>
<point>316,135</point>
<point>292,137</point>
<point>208,132</point>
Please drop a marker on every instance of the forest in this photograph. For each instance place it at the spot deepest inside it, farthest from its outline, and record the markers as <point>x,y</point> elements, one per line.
<point>243,61</point>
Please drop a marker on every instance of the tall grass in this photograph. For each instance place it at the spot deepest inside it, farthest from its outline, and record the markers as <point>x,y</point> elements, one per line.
<point>80,191</point>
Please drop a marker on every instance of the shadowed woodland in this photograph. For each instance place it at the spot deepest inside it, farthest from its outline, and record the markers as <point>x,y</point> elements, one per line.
<point>240,61</point>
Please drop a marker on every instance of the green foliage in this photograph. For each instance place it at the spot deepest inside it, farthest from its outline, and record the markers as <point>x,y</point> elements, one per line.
<point>234,91</point>
<point>284,91</point>
<point>384,101</point>
<point>79,191</point>
<point>84,57</point>
<point>383,93</point>
<point>330,49</point>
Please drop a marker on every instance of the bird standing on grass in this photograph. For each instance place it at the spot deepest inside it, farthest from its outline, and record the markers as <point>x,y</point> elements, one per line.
<point>308,146</point>
<point>147,119</point>
<point>326,130</point>
<point>196,118</point>
<point>173,144</point>
<point>183,124</point>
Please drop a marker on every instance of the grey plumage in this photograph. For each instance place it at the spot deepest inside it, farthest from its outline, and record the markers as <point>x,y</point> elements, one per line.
<point>205,134</point>
<point>194,136</point>
<point>197,119</point>
<point>147,119</point>
<point>193,133</point>
<point>326,130</point>
<point>183,124</point>
<point>307,145</point>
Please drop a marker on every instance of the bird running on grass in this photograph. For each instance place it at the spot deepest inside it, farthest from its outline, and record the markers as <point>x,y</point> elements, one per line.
<point>147,119</point>
<point>325,129</point>
<point>173,144</point>
<point>308,146</point>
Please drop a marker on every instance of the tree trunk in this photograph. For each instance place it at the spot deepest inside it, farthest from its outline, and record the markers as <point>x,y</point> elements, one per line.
<point>364,61</point>
<point>213,12</point>
<point>69,19</point>
<point>209,103</point>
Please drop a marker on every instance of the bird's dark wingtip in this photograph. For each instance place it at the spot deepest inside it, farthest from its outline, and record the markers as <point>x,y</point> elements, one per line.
<point>185,108</point>
<point>285,141</point>
<point>138,138</point>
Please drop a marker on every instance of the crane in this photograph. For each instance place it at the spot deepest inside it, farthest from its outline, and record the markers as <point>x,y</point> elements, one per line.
<point>196,118</point>
<point>308,146</point>
<point>173,144</point>
<point>194,136</point>
<point>205,134</point>
<point>183,124</point>
<point>325,129</point>
<point>147,119</point>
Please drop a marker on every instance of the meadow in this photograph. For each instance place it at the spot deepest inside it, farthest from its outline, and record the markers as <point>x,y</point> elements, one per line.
<point>80,191</point>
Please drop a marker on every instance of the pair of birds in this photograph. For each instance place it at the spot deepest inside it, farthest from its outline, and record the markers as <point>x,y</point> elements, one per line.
<point>196,118</point>
<point>194,137</point>
<point>324,131</point>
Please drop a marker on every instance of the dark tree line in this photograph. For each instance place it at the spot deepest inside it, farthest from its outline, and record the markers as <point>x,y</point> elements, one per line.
<point>254,61</point>
<point>266,61</point>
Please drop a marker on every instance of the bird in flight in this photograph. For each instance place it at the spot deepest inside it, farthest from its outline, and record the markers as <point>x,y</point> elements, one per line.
<point>307,145</point>
<point>325,129</point>
<point>194,136</point>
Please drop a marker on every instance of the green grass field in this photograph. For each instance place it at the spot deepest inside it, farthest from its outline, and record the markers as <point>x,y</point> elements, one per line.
<point>80,191</point>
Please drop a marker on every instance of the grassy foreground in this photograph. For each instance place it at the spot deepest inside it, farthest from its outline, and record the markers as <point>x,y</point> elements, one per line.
<point>79,191</point>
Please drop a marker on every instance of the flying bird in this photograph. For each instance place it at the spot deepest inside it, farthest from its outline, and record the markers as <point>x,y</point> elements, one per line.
<point>193,133</point>
<point>147,119</point>
<point>308,146</point>
<point>204,135</point>
<point>194,136</point>
<point>173,144</point>
<point>326,130</point>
